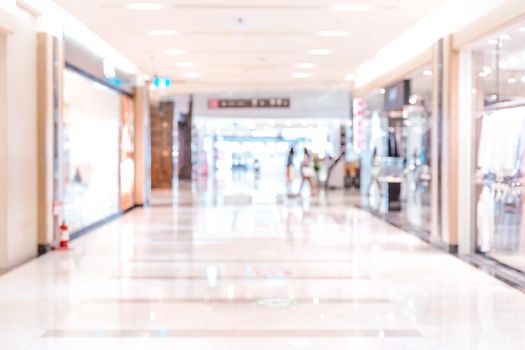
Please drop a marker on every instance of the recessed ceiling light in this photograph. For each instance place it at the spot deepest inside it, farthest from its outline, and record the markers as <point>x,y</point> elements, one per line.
<point>306,65</point>
<point>320,52</point>
<point>352,7</point>
<point>301,75</point>
<point>427,72</point>
<point>512,81</point>
<point>504,36</point>
<point>193,75</point>
<point>333,33</point>
<point>186,65</point>
<point>349,77</point>
<point>175,52</point>
<point>493,42</point>
<point>146,6</point>
<point>382,91</point>
<point>162,32</point>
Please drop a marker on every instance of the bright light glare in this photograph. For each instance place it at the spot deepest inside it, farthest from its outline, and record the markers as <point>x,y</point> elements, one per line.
<point>146,6</point>
<point>175,52</point>
<point>349,77</point>
<point>301,75</point>
<point>320,52</point>
<point>333,33</point>
<point>162,32</point>
<point>193,75</point>
<point>306,65</point>
<point>186,65</point>
<point>351,7</point>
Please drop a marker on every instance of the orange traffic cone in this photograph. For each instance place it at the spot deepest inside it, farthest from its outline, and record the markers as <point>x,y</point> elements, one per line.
<point>64,236</point>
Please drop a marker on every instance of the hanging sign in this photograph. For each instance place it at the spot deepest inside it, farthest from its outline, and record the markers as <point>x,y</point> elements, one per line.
<point>249,103</point>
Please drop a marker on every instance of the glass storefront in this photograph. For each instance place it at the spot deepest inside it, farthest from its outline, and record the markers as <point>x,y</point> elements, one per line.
<point>127,154</point>
<point>498,92</point>
<point>90,151</point>
<point>394,142</point>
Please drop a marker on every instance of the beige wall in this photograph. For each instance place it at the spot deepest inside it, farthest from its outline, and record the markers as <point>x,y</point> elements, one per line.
<point>18,156</point>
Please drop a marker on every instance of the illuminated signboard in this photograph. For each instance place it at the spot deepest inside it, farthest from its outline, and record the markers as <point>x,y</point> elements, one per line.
<point>249,103</point>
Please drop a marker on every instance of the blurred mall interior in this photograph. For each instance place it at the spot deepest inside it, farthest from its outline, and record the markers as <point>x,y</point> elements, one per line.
<point>232,174</point>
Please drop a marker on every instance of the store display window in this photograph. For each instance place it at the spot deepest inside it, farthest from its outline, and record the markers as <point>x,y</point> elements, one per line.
<point>90,151</point>
<point>127,154</point>
<point>498,95</point>
<point>396,152</point>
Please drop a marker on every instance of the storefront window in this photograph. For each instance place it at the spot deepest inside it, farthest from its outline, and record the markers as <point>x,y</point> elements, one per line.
<point>127,155</point>
<point>395,156</point>
<point>499,103</point>
<point>90,151</point>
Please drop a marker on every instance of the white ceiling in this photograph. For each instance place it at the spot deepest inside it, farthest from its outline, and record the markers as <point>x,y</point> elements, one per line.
<point>249,44</point>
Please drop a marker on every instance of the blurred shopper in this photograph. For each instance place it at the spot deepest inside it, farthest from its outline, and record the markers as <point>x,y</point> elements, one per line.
<point>289,165</point>
<point>308,173</point>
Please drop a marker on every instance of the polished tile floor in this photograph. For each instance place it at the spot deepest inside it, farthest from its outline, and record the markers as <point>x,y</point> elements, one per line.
<point>239,271</point>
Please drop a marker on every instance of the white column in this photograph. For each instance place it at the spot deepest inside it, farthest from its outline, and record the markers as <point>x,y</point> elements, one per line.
<point>3,152</point>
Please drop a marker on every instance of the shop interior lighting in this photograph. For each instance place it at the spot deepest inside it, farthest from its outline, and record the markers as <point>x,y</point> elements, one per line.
<point>349,77</point>
<point>482,74</point>
<point>163,32</point>
<point>487,69</point>
<point>522,29</point>
<point>333,33</point>
<point>493,41</point>
<point>503,65</point>
<point>351,7</point>
<point>320,52</point>
<point>427,72</point>
<point>175,52</point>
<point>306,65</point>
<point>523,79</point>
<point>512,81</point>
<point>146,6</point>
<point>301,75</point>
<point>382,91</point>
<point>504,36</point>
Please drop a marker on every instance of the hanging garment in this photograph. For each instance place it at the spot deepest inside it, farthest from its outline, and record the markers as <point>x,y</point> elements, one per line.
<point>485,220</point>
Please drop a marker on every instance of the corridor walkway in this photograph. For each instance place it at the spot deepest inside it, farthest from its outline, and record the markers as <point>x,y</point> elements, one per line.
<point>238,273</point>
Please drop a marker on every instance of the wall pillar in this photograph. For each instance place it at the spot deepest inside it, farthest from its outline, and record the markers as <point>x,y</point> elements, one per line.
<point>49,106</point>
<point>3,151</point>
<point>162,172</point>
<point>445,145</point>
<point>18,134</point>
